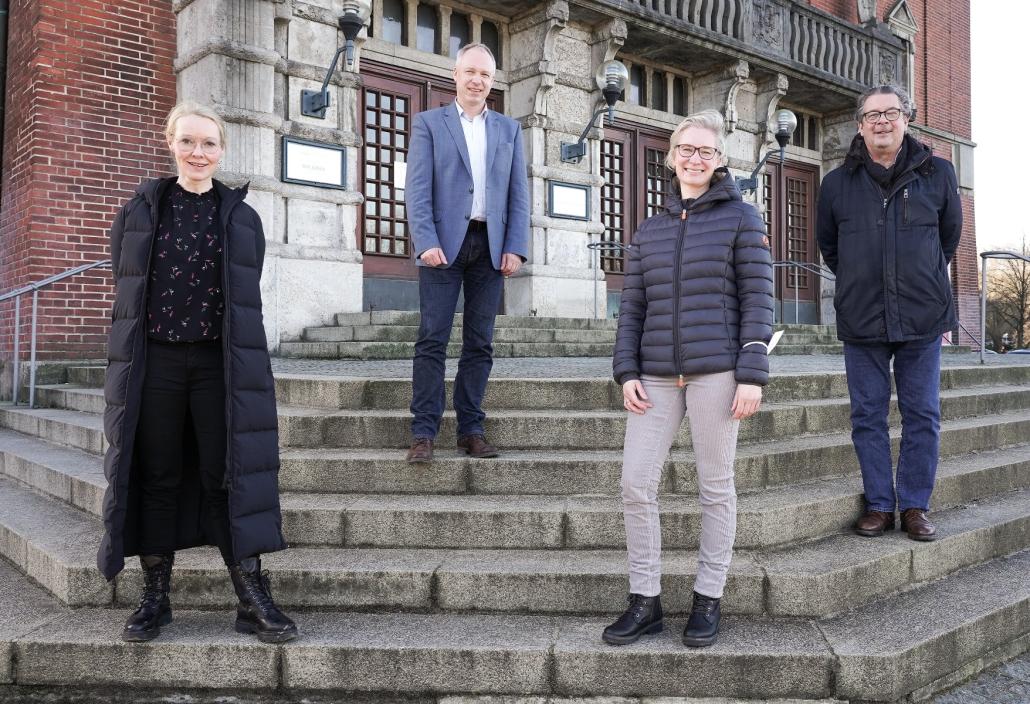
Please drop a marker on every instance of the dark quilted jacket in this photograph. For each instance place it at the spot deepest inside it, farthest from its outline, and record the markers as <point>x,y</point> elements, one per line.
<point>696,290</point>
<point>252,459</point>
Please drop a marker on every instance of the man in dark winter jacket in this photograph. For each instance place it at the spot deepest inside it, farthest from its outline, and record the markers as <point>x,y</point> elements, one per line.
<point>888,225</point>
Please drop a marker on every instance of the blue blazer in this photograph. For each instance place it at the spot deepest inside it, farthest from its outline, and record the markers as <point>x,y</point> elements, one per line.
<point>438,189</point>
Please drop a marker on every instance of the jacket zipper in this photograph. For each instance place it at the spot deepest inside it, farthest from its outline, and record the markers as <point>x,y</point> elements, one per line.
<point>676,297</point>
<point>904,212</point>
<point>227,356</point>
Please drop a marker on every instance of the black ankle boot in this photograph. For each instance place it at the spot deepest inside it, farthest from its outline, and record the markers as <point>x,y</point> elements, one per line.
<point>703,626</point>
<point>643,615</point>
<point>257,613</point>
<point>154,609</point>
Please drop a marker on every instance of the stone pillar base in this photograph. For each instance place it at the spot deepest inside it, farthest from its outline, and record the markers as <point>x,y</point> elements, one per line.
<point>554,291</point>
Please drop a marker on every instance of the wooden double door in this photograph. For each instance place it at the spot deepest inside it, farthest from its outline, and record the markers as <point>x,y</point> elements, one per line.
<point>790,191</point>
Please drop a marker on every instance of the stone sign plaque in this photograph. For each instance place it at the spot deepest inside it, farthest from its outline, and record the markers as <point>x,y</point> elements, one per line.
<point>314,163</point>
<point>568,200</point>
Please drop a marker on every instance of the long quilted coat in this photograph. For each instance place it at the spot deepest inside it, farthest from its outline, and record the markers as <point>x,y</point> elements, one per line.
<point>252,456</point>
<point>697,289</point>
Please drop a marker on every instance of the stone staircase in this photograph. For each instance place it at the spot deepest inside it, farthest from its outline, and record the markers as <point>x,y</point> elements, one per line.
<point>391,334</point>
<point>480,577</point>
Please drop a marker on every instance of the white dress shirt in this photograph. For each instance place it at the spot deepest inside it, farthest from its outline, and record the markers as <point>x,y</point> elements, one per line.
<point>475,139</point>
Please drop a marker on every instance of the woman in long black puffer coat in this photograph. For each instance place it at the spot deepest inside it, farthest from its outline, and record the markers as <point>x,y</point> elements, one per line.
<point>191,423</point>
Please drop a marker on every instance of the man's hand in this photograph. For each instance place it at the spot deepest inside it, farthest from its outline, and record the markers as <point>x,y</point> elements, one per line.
<point>746,401</point>
<point>434,257</point>
<point>510,263</point>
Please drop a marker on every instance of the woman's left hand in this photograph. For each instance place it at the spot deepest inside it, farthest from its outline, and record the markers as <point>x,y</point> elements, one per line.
<point>746,401</point>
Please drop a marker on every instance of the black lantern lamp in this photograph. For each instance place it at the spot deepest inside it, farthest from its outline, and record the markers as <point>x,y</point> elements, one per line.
<point>611,78</point>
<point>786,123</point>
<point>314,103</point>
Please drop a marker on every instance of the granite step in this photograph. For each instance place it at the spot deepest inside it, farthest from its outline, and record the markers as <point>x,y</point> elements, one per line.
<point>910,643</point>
<point>605,429</point>
<point>409,333</point>
<point>412,318</point>
<point>406,350</point>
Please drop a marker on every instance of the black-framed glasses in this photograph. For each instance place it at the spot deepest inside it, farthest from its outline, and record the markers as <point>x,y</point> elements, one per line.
<point>873,116</point>
<point>687,150</point>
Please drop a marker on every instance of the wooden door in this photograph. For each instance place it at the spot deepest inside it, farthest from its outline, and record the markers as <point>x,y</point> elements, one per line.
<point>790,197</point>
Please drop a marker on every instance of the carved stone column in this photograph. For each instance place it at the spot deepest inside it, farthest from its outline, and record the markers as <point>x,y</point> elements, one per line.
<point>250,59</point>
<point>552,93</point>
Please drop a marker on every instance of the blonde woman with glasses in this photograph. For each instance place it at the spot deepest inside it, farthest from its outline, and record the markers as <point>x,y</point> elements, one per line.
<point>694,325</point>
<point>193,455</point>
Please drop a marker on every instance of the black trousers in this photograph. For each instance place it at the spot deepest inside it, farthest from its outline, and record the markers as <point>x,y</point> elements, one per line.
<point>183,380</point>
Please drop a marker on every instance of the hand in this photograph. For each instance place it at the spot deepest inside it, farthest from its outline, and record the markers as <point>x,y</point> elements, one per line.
<point>510,263</point>
<point>434,257</point>
<point>746,401</point>
<point>634,398</point>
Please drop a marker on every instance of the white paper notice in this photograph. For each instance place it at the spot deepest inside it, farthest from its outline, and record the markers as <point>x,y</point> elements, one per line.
<point>400,175</point>
<point>307,162</point>
<point>569,202</point>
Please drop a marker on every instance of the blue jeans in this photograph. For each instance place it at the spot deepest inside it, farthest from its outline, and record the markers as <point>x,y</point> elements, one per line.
<point>917,375</point>
<point>438,296</point>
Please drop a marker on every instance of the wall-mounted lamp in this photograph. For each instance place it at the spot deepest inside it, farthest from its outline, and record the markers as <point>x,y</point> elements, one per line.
<point>611,78</point>
<point>314,103</point>
<point>786,123</point>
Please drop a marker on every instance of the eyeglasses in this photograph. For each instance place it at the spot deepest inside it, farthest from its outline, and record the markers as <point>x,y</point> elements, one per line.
<point>873,116</point>
<point>187,145</point>
<point>687,150</point>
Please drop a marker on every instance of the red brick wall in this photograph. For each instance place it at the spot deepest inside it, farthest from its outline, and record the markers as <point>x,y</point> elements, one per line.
<point>89,85</point>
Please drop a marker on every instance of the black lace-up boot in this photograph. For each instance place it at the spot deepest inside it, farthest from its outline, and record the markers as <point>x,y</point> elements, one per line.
<point>703,626</point>
<point>643,615</point>
<point>257,612</point>
<point>154,609</point>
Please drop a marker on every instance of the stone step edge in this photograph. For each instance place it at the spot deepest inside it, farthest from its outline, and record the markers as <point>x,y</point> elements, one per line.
<point>919,567</point>
<point>546,655</point>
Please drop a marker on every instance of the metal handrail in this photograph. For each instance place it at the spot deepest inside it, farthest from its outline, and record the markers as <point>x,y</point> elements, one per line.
<point>971,335</point>
<point>817,269</point>
<point>601,246</point>
<point>34,289</point>
<point>984,256</point>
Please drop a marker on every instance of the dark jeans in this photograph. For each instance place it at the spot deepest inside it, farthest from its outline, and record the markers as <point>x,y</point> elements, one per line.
<point>438,296</point>
<point>182,379</point>
<point>917,376</point>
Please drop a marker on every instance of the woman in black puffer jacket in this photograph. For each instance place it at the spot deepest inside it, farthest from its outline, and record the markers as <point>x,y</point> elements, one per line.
<point>191,416</point>
<point>695,320</point>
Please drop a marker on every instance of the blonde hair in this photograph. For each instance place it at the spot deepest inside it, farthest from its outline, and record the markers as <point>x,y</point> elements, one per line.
<point>710,120</point>
<point>187,108</point>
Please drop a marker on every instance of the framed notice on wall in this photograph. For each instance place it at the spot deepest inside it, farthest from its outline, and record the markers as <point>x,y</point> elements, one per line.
<point>568,200</point>
<point>314,163</point>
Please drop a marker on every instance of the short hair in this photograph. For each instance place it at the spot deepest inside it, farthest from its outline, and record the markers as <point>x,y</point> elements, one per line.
<point>478,45</point>
<point>187,108</point>
<point>710,120</point>
<point>885,89</point>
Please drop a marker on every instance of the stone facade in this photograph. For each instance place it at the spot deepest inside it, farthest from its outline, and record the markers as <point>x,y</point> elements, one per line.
<point>251,59</point>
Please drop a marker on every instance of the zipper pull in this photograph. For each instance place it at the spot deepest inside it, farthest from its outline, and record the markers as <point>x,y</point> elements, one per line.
<point>884,203</point>
<point>680,383</point>
<point>683,215</point>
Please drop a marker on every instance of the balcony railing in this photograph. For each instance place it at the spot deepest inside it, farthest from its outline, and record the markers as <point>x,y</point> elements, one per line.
<point>787,32</point>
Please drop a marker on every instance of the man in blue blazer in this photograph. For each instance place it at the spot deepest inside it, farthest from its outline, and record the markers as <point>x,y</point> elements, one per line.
<point>467,199</point>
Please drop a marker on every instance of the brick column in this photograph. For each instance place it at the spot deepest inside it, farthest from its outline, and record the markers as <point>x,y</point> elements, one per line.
<point>89,85</point>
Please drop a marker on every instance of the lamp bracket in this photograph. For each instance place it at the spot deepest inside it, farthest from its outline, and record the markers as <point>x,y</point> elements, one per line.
<point>572,153</point>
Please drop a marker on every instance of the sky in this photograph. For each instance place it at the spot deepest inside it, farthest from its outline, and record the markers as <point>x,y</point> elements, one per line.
<point>1001,101</point>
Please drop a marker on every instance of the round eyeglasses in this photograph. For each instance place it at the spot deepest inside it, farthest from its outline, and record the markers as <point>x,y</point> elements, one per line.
<point>688,150</point>
<point>187,145</point>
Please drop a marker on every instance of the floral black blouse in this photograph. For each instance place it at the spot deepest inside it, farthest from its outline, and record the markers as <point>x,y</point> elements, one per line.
<point>186,302</point>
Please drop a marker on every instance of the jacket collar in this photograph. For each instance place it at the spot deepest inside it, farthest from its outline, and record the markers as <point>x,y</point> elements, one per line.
<point>723,188</point>
<point>152,190</point>
<point>917,155</point>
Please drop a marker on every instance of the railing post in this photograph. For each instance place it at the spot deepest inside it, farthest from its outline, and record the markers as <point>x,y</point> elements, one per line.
<point>983,307</point>
<point>593,269</point>
<point>797,278</point>
<point>32,353</point>
<point>16,381</point>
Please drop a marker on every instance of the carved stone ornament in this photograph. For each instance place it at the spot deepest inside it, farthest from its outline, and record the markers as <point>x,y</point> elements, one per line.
<point>866,11</point>
<point>767,24</point>
<point>888,67</point>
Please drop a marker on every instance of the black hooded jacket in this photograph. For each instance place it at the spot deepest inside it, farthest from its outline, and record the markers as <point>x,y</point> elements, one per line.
<point>890,249</point>
<point>697,289</point>
<point>252,457</point>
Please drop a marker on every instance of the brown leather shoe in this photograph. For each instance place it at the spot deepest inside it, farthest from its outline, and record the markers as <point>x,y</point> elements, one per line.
<point>874,523</point>
<point>477,446</point>
<point>421,451</point>
<point>917,525</point>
